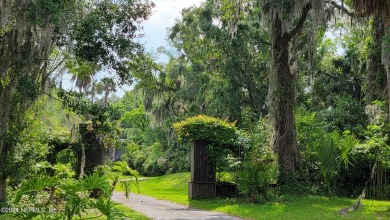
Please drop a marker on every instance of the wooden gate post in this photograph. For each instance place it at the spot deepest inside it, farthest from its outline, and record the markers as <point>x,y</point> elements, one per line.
<point>202,183</point>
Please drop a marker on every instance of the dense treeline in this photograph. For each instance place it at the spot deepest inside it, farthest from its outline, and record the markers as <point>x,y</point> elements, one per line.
<point>306,83</point>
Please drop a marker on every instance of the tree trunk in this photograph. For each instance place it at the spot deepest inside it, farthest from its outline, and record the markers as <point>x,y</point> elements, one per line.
<point>3,171</point>
<point>2,187</point>
<point>387,68</point>
<point>386,59</point>
<point>93,155</point>
<point>375,69</point>
<point>281,97</point>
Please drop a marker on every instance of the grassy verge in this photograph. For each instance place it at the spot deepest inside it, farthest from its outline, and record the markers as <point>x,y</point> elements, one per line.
<point>171,187</point>
<point>130,214</point>
<point>174,188</point>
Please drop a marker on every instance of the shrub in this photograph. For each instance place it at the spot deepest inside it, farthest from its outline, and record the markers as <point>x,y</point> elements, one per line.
<point>204,128</point>
<point>255,179</point>
<point>62,197</point>
<point>259,169</point>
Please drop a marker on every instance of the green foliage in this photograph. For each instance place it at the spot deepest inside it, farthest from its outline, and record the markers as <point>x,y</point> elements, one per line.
<point>204,128</point>
<point>96,181</point>
<point>27,141</point>
<point>105,33</point>
<point>328,164</point>
<point>373,151</point>
<point>73,197</point>
<point>327,155</point>
<point>34,185</point>
<point>104,119</point>
<point>259,170</point>
<point>346,114</point>
<point>346,144</point>
<point>136,118</point>
<point>42,10</point>
<point>122,167</point>
<point>332,154</point>
<point>107,207</point>
<point>149,160</point>
<point>255,179</point>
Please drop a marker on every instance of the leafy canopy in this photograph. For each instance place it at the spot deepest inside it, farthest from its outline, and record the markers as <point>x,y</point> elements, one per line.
<point>204,128</point>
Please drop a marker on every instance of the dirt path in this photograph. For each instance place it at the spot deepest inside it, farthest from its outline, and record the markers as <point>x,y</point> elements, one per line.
<point>164,210</point>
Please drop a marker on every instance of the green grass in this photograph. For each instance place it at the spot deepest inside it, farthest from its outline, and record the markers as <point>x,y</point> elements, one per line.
<point>131,214</point>
<point>174,188</point>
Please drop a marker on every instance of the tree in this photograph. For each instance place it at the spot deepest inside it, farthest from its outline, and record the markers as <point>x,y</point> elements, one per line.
<point>381,10</point>
<point>221,71</point>
<point>27,32</point>
<point>285,20</point>
<point>281,86</point>
<point>100,32</point>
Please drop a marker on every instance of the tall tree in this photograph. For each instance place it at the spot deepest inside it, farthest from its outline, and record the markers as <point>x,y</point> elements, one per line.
<point>27,32</point>
<point>380,9</point>
<point>101,32</point>
<point>285,19</point>
<point>222,75</point>
<point>281,84</point>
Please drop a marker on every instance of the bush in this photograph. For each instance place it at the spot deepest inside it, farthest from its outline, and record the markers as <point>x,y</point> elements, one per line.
<point>148,160</point>
<point>204,128</point>
<point>374,151</point>
<point>255,179</point>
<point>62,197</point>
<point>259,170</point>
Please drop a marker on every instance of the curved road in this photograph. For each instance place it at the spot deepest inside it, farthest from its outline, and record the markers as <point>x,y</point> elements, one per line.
<point>165,210</point>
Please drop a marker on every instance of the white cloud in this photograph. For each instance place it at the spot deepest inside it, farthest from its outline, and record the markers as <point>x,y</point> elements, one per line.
<point>163,17</point>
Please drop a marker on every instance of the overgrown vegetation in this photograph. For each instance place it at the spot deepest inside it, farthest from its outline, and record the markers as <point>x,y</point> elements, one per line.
<point>310,112</point>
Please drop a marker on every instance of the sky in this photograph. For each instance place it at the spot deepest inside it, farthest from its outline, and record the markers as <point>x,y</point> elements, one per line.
<point>163,17</point>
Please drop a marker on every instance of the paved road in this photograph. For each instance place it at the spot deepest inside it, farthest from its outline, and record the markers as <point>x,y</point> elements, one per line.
<point>164,210</point>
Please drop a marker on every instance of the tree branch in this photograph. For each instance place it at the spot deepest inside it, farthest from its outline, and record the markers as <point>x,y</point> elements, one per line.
<point>301,22</point>
<point>346,11</point>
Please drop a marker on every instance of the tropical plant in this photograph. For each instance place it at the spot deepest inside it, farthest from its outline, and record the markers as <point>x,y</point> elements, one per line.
<point>65,198</point>
<point>255,179</point>
<point>333,156</point>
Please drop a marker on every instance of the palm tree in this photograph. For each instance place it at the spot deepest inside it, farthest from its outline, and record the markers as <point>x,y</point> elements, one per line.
<point>82,72</point>
<point>106,86</point>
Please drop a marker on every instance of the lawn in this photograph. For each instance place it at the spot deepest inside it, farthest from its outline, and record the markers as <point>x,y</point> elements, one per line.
<point>174,188</point>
